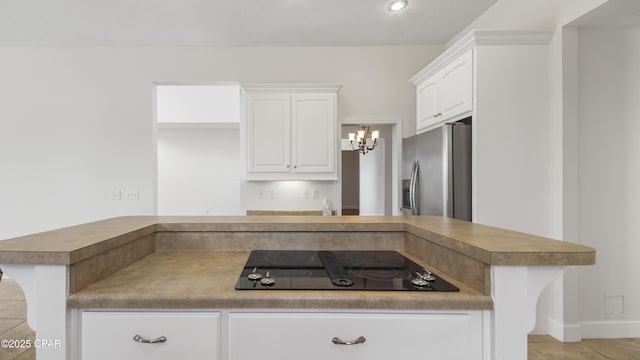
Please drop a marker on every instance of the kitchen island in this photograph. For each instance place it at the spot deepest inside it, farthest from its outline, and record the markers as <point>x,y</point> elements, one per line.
<point>181,271</point>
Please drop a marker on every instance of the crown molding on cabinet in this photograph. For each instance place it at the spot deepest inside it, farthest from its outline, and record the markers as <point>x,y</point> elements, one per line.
<point>482,37</point>
<point>291,87</point>
<point>511,37</point>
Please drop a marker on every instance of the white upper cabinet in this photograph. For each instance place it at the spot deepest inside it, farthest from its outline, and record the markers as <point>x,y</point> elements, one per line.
<point>269,133</point>
<point>314,133</point>
<point>456,87</point>
<point>427,103</point>
<point>445,95</point>
<point>291,132</point>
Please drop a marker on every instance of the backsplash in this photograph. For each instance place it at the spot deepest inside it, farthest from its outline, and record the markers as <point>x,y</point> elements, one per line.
<point>288,195</point>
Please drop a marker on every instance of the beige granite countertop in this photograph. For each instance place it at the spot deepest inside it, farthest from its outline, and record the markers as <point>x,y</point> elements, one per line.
<point>148,262</point>
<point>490,245</point>
<point>206,279</point>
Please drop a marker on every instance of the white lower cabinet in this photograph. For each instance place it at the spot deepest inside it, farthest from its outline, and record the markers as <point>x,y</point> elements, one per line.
<point>371,336</point>
<point>281,335</point>
<point>187,335</point>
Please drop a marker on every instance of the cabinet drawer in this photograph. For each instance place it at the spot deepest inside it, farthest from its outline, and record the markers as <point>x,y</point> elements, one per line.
<point>109,335</point>
<point>265,336</point>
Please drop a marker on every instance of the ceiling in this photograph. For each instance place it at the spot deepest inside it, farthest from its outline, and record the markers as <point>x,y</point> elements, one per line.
<point>233,22</point>
<point>614,13</point>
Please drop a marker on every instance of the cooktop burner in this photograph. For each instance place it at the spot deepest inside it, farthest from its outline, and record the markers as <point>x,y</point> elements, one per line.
<point>336,270</point>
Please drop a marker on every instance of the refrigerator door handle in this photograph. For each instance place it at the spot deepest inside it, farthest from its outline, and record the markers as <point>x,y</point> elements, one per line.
<point>412,189</point>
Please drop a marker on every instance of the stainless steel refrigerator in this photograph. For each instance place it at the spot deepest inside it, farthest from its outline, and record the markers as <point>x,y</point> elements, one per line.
<point>436,172</point>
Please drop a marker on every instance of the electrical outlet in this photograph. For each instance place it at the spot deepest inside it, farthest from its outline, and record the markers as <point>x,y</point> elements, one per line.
<point>305,194</point>
<point>116,195</point>
<point>133,195</point>
<point>272,194</point>
<point>260,193</point>
<point>314,193</point>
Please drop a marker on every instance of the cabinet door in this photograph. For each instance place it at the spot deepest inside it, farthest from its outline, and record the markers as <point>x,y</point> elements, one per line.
<point>456,87</point>
<point>313,133</point>
<point>189,336</point>
<point>269,133</point>
<point>291,336</point>
<point>427,103</point>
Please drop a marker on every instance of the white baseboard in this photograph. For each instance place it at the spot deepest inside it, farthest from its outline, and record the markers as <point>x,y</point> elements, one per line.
<point>611,329</point>
<point>565,332</point>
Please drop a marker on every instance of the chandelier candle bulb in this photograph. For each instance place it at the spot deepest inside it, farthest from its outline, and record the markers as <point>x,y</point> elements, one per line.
<point>375,134</point>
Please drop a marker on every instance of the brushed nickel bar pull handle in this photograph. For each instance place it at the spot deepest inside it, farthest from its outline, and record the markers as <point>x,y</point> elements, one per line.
<point>357,341</point>
<point>157,340</point>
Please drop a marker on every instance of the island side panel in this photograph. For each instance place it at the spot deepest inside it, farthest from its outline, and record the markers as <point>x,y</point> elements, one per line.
<point>47,315</point>
<point>515,291</point>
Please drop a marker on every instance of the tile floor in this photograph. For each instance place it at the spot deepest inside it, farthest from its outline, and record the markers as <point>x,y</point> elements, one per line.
<point>13,321</point>
<point>542,347</point>
<point>13,325</point>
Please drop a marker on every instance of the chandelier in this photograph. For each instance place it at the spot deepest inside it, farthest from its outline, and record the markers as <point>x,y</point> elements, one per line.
<point>362,137</point>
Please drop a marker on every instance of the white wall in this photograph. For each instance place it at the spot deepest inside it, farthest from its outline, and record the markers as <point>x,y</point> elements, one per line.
<point>372,181</point>
<point>77,121</point>
<point>511,144</point>
<point>609,174</point>
<point>199,171</point>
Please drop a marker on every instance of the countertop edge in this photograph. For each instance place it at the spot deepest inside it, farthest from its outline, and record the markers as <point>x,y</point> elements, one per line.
<point>475,303</point>
<point>478,241</point>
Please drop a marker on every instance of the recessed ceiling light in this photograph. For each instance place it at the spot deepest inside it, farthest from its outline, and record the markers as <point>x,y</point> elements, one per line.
<point>398,5</point>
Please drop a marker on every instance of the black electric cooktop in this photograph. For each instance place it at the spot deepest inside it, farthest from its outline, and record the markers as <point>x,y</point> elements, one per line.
<point>336,270</point>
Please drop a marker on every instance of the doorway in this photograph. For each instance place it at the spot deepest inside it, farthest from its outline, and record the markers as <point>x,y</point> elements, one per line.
<point>350,182</point>
<point>198,149</point>
<point>369,183</point>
